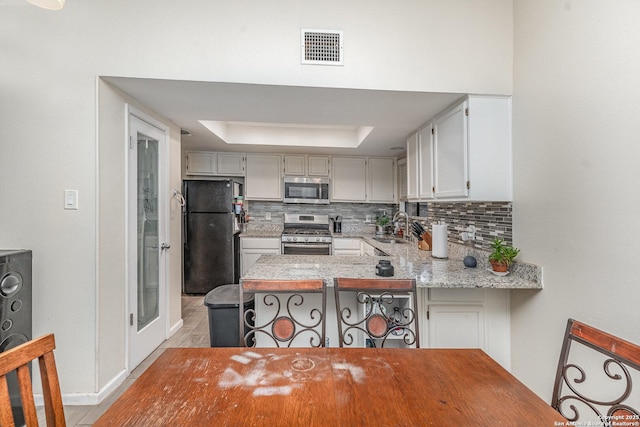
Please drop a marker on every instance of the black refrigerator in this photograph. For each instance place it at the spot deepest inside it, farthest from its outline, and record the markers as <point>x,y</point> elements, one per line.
<point>211,235</point>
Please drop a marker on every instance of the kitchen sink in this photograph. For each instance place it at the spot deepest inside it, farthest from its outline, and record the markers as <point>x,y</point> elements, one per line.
<point>389,240</point>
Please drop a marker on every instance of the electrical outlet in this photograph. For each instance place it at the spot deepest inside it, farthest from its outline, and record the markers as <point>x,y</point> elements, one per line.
<point>368,218</point>
<point>267,216</point>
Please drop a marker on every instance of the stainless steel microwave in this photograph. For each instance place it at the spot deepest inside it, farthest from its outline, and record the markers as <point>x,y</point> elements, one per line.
<point>306,190</point>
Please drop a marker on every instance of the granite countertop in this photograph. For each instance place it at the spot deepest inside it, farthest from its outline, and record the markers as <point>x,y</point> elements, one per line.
<point>408,262</point>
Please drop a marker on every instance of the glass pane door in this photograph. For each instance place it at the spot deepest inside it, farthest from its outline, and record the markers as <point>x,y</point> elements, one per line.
<point>148,246</point>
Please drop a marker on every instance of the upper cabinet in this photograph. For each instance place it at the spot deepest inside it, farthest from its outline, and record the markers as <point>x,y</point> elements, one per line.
<point>349,179</point>
<point>425,163</point>
<point>263,178</point>
<point>212,163</point>
<point>382,180</point>
<point>402,179</point>
<point>362,179</point>
<point>464,153</point>
<point>451,171</point>
<point>318,166</point>
<point>299,165</point>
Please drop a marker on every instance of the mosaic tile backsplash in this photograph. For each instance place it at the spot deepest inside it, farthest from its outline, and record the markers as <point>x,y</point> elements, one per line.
<point>491,219</point>
<point>353,215</point>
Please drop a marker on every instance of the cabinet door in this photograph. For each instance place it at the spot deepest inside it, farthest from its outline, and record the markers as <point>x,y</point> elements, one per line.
<point>382,180</point>
<point>263,177</point>
<point>456,326</point>
<point>412,167</point>
<point>425,163</point>
<point>294,165</point>
<point>231,164</point>
<point>450,153</point>
<point>349,181</point>
<point>318,166</point>
<point>201,163</point>
<point>402,179</point>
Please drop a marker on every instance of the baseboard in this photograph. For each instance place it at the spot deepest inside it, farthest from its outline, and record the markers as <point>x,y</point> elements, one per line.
<point>175,327</point>
<point>78,399</point>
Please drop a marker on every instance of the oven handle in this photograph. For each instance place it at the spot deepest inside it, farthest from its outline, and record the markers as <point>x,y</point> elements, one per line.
<point>306,245</point>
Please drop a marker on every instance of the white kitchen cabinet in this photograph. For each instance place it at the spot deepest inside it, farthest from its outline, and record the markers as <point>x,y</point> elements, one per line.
<point>466,318</point>
<point>412,167</point>
<point>230,164</point>
<point>214,163</point>
<point>382,180</point>
<point>201,163</point>
<point>251,248</point>
<point>299,165</point>
<point>368,250</point>
<point>450,158</point>
<point>467,156</point>
<point>263,177</point>
<point>425,163</point>
<point>346,246</point>
<point>318,166</point>
<point>456,326</point>
<point>295,165</point>
<point>402,179</point>
<point>349,179</point>
<point>473,150</point>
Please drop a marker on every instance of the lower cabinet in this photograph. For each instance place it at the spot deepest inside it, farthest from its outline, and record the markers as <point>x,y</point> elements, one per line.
<point>251,248</point>
<point>466,318</point>
<point>345,246</point>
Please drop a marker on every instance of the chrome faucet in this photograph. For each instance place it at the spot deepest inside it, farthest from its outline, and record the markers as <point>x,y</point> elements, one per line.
<point>406,222</point>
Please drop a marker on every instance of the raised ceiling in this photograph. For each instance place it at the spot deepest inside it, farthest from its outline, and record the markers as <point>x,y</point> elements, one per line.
<point>392,115</point>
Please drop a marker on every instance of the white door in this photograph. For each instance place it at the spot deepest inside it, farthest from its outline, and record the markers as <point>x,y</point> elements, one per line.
<point>147,245</point>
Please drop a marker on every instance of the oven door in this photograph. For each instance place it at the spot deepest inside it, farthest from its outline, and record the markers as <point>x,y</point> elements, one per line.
<point>306,248</point>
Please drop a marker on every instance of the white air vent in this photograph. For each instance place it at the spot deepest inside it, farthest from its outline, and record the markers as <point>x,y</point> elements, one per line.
<point>321,47</point>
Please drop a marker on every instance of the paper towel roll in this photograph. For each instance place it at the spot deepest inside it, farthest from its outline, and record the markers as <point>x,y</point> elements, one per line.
<point>439,236</point>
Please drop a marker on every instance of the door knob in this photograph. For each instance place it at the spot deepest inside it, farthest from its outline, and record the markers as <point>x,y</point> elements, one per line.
<point>165,246</point>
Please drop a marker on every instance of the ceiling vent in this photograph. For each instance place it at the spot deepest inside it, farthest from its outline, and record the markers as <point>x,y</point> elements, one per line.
<point>321,47</point>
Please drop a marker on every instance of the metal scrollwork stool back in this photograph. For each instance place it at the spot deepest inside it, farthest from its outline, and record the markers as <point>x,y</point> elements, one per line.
<point>384,312</point>
<point>580,387</point>
<point>285,315</point>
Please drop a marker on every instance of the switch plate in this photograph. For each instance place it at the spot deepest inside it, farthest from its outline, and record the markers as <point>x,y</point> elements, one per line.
<point>71,199</point>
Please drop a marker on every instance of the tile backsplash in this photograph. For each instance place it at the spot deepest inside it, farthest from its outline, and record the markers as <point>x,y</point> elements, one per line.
<point>491,219</point>
<point>353,215</point>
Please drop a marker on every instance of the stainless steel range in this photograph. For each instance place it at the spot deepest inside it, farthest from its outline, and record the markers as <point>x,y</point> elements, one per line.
<point>306,235</point>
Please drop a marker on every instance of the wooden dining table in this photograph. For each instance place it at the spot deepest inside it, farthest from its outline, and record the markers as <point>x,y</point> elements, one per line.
<point>327,387</point>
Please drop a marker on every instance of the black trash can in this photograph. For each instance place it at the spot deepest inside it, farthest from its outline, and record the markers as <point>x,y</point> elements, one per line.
<point>224,317</point>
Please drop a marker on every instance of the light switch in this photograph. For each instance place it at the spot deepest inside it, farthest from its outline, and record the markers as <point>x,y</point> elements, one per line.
<point>71,199</point>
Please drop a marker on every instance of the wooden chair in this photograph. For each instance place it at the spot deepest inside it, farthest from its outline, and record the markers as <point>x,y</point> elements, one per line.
<point>386,311</point>
<point>573,382</point>
<point>18,358</point>
<point>286,318</point>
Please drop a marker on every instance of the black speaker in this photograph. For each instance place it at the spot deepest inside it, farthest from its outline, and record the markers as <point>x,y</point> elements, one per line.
<point>15,312</point>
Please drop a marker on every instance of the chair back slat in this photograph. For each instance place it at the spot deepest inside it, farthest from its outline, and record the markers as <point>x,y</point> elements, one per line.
<point>574,396</point>
<point>288,318</point>
<point>374,298</point>
<point>18,359</point>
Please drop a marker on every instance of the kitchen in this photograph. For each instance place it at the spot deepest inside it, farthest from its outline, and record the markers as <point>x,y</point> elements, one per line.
<point>570,190</point>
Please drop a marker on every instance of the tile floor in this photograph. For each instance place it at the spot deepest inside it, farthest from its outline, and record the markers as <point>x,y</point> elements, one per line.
<point>194,333</point>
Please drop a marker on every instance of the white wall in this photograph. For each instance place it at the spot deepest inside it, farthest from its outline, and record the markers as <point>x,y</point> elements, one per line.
<point>50,140</point>
<point>576,152</point>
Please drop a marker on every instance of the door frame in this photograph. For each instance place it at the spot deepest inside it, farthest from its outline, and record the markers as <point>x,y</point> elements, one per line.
<point>163,227</point>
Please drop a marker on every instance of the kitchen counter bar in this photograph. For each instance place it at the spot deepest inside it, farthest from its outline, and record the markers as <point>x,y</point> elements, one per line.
<point>407,260</point>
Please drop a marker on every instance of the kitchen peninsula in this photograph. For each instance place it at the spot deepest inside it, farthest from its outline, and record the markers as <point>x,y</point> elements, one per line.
<point>458,307</point>
<point>408,262</point>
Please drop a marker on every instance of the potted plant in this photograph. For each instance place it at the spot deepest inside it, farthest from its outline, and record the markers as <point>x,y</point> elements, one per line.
<point>382,224</point>
<point>502,255</point>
